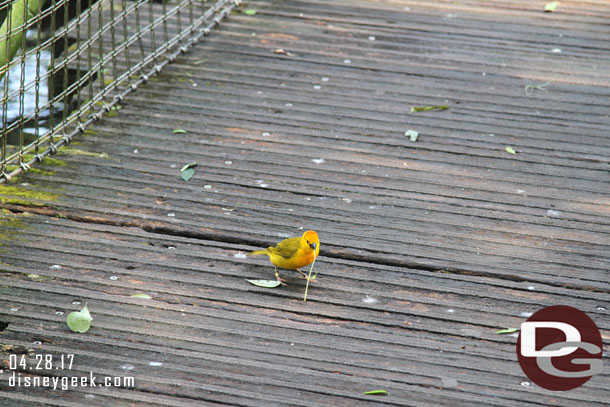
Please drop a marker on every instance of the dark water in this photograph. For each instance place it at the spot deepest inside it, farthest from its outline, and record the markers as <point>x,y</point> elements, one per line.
<point>12,108</point>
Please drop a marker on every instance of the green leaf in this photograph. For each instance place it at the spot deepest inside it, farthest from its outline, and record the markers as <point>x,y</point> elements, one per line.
<point>412,134</point>
<point>507,331</point>
<point>428,108</point>
<point>79,321</point>
<point>187,174</point>
<point>551,6</point>
<point>264,283</point>
<point>510,150</point>
<point>141,295</point>
<point>376,393</point>
<point>249,12</point>
<point>179,131</point>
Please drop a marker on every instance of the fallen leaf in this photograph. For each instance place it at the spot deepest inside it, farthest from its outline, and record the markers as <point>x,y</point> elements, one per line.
<point>376,393</point>
<point>79,321</point>
<point>141,295</point>
<point>510,150</point>
<point>548,7</point>
<point>187,174</point>
<point>180,131</point>
<point>428,108</point>
<point>281,51</point>
<point>412,134</point>
<point>507,331</point>
<point>264,283</point>
<point>249,12</point>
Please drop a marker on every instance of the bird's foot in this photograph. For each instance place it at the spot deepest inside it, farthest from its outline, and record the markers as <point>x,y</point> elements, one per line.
<point>304,276</point>
<point>280,279</point>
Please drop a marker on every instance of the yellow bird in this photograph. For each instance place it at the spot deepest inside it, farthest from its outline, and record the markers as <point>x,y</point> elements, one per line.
<point>292,253</point>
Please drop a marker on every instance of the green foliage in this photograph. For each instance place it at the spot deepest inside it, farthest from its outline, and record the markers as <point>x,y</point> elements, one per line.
<point>79,321</point>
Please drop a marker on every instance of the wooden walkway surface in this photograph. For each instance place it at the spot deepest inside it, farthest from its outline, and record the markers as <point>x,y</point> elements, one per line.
<point>428,247</point>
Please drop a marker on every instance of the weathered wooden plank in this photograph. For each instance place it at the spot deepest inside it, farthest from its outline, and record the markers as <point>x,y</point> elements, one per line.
<point>417,288</point>
<point>181,257</point>
<point>509,268</point>
<point>109,310</point>
<point>376,243</point>
<point>131,324</point>
<point>397,94</point>
<point>529,161</point>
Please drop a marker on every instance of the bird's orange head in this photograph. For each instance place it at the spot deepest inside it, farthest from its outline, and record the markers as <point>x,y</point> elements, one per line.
<point>311,241</point>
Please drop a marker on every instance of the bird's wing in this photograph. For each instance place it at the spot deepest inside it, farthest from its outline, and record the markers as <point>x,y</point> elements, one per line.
<point>286,248</point>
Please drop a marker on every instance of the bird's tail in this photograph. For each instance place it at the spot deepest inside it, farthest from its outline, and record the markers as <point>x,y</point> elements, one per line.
<point>254,253</point>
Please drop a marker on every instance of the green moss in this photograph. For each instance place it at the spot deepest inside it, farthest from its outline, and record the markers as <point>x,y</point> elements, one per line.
<point>41,172</point>
<point>22,196</point>
<point>38,277</point>
<point>15,201</point>
<point>12,221</point>
<point>55,162</point>
<point>89,132</point>
<point>33,170</point>
<point>47,161</point>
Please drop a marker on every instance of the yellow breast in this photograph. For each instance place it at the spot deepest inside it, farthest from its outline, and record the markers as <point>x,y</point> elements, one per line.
<point>300,259</point>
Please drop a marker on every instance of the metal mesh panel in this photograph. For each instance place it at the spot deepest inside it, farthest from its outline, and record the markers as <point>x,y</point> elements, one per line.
<point>78,59</point>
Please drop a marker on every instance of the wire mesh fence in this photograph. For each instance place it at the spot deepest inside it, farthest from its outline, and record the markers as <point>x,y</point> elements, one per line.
<point>66,63</point>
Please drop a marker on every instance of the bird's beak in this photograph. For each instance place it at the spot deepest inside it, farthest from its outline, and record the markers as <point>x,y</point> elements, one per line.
<point>313,245</point>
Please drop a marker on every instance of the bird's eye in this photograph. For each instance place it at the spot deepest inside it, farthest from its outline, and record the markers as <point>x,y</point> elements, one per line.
<point>307,241</point>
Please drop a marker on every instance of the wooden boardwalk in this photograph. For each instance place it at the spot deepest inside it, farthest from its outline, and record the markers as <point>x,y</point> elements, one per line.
<point>428,247</point>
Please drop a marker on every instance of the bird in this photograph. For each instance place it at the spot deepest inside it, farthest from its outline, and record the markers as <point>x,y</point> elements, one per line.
<point>292,253</point>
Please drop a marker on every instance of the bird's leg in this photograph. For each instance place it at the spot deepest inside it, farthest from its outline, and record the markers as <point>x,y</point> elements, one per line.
<point>304,276</point>
<point>278,278</point>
